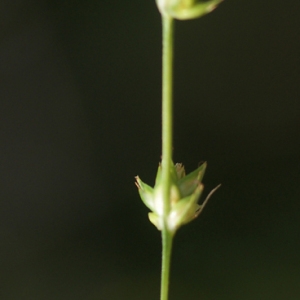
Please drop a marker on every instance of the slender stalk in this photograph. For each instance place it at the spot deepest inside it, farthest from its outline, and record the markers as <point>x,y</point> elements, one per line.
<point>167,145</point>
<point>167,108</point>
<point>167,239</point>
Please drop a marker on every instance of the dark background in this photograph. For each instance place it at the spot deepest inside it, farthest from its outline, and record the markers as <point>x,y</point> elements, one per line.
<point>80,116</point>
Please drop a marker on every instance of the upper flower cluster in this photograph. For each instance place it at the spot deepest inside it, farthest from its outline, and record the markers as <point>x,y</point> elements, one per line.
<point>185,190</point>
<point>186,9</point>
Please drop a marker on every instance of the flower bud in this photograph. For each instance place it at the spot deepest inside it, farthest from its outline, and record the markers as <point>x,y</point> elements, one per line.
<point>186,9</point>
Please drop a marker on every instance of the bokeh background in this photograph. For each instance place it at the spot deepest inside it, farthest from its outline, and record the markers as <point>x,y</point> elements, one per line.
<point>80,85</point>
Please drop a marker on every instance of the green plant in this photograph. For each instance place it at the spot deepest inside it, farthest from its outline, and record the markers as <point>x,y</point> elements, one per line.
<point>173,200</point>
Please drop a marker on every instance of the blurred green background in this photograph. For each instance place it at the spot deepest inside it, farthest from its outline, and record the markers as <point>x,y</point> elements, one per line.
<point>80,117</point>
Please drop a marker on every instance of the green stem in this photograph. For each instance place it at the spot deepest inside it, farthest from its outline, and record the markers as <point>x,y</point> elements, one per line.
<point>167,145</point>
<point>167,239</point>
<point>167,109</point>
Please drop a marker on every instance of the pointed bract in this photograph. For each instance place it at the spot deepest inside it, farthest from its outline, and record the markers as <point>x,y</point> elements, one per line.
<point>180,171</point>
<point>155,220</point>
<point>185,210</point>
<point>188,184</point>
<point>146,193</point>
<point>158,174</point>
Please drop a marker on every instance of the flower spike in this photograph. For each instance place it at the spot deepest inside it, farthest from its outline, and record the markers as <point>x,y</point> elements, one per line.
<point>185,192</point>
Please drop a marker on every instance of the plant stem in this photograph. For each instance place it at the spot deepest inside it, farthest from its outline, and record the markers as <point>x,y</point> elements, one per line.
<point>167,145</point>
<point>167,108</point>
<point>167,239</point>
